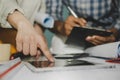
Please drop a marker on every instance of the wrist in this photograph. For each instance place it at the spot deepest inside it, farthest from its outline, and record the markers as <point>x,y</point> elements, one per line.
<point>17,19</point>
<point>59,27</point>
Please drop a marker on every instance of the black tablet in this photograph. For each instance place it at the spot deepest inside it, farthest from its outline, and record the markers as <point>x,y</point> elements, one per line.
<point>79,34</point>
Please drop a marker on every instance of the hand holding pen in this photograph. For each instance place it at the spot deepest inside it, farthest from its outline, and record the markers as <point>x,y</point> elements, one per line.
<point>81,22</point>
<point>73,20</point>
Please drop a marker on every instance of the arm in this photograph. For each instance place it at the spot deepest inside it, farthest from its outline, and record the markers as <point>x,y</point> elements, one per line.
<point>65,28</point>
<point>27,39</point>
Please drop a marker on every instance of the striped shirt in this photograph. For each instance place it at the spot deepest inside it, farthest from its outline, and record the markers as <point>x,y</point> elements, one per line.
<point>102,10</point>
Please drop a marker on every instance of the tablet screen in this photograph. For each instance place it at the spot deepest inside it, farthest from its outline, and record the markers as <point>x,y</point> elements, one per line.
<point>59,63</point>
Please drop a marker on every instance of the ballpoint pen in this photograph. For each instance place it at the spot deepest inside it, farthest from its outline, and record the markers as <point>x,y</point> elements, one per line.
<point>73,13</point>
<point>69,8</point>
<point>116,60</point>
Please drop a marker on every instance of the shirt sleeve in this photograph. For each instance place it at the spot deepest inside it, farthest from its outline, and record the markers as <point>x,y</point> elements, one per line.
<point>54,8</point>
<point>7,6</point>
<point>117,26</point>
<point>42,6</point>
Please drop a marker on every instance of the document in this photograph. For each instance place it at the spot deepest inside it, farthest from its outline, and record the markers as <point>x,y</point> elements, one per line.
<point>108,50</point>
<point>9,69</point>
<point>73,74</point>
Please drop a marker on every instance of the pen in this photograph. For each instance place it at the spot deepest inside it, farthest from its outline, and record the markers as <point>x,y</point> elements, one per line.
<point>73,13</point>
<point>69,8</point>
<point>116,60</point>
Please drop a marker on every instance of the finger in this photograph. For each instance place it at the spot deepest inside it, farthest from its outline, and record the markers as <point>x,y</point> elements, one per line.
<point>81,22</point>
<point>68,29</point>
<point>19,44</point>
<point>26,46</point>
<point>43,46</point>
<point>99,38</point>
<point>93,40</point>
<point>39,53</point>
<point>104,39</point>
<point>33,47</point>
<point>72,23</point>
<point>76,21</point>
<point>51,65</point>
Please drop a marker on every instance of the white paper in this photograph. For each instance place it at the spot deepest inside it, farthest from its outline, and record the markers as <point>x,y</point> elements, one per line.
<point>4,67</point>
<point>94,74</point>
<point>105,50</point>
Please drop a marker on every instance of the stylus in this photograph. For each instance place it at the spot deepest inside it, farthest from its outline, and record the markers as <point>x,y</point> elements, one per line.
<point>69,8</point>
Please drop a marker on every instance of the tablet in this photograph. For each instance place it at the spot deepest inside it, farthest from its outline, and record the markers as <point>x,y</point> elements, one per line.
<point>79,34</point>
<point>60,64</point>
<point>64,65</point>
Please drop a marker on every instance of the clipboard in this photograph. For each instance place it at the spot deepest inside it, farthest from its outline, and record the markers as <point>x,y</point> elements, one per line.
<point>79,34</point>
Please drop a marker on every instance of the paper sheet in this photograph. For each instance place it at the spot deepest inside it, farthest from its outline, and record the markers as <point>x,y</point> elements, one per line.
<point>105,50</point>
<point>96,74</point>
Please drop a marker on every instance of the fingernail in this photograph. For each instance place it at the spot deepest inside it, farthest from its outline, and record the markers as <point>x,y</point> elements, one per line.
<point>52,59</point>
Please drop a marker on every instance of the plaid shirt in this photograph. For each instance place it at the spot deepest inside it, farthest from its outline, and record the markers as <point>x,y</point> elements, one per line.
<point>102,10</point>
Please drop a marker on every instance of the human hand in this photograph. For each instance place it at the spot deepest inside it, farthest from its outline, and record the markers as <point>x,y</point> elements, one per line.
<point>97,40</point>
<point>28,40</point>
<point>44,47</point>
<point>71,22</point>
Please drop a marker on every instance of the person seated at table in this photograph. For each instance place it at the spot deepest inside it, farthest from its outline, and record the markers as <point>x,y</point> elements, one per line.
<point>105,12</point>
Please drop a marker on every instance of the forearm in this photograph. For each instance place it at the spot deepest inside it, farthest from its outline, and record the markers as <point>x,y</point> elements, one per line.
<point>17,20</point>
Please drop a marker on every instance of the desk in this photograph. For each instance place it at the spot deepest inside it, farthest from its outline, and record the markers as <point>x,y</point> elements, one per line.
<point>96,74</point>
<point>90,74</point>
